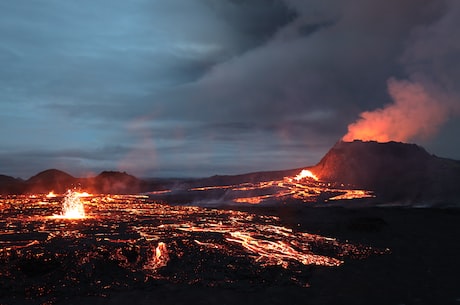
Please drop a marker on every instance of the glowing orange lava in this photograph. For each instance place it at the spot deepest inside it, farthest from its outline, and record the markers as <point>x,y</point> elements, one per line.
<point>414,113</point>
<point>51,195</point>
<point>159,258</point>
<point>305,186</point>
<point>72,207</point>
<point>153,241</point>
<point>305,173</point>
<point>251,200</point>
<point>353,194</point>
<point>279,252</point>
<point>83,194</point>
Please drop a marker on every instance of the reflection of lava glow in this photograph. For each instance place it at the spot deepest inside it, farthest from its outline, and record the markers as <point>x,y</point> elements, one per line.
<point>305,173</point>
<point>72,207</point>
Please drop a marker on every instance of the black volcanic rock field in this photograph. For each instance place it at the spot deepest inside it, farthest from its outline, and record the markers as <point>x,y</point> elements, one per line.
<point>390,255</point>
<point>182,242</point>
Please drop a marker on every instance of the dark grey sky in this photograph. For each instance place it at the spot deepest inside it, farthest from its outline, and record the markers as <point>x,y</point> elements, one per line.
<point>203,87</point>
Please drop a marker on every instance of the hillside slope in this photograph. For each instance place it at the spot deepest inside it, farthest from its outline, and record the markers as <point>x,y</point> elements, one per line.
<point>395,171</point>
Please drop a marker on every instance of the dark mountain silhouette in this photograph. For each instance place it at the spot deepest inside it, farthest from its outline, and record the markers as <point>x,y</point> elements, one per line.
<point>10,185</point>
<point>244,178</point>
<point>395,171</point>
<point>51,179</point>
<point>59,182</point>
<point>114,182</point>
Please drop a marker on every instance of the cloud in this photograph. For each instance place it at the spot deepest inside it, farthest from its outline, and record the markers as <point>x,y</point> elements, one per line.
<point>341,66</point>
<point>414,113</point>
<point>79,162</point>
<point>203,87</point>
<point>424,102</point>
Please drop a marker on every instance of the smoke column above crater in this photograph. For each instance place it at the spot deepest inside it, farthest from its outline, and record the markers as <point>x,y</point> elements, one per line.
<point>417,113</point>
<point>428,96</point>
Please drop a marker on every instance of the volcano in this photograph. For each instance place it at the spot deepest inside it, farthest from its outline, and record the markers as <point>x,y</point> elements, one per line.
<point>391,173</point>
<point>395,171</point>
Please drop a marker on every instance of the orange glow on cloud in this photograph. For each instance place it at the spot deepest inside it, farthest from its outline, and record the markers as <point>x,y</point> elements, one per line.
<point>415,113</point>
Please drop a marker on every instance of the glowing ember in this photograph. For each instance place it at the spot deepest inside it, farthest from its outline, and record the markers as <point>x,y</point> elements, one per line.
<point>305,173</point>
<point>72,207</point>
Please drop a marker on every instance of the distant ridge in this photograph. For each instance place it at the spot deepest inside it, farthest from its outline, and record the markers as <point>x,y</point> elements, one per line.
<point>396,172</point>
<point>51,179</point>
<point>10,185</point>
<point>114,182</point>
<point>245,178</point>
<point>59,182</point>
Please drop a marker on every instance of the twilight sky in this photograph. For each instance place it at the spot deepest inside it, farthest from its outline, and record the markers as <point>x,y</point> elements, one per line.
<point>202,87</point>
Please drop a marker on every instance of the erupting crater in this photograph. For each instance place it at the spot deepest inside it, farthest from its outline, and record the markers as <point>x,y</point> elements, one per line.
<point>304,187</point>
<point>305,173</point>
<point>72,206</point>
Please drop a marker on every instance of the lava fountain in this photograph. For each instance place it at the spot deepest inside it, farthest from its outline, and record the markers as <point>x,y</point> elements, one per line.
<point>72,207</point>
<point>51,195</point>
<point>159,258</point>
<point>305,173</point>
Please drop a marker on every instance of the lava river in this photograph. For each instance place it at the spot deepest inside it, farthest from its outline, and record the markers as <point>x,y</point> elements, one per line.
<point>126,241</point>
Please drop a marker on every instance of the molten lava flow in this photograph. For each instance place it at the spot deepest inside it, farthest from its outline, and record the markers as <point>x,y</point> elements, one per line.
<point>135,238</point>
<point>279,252</point>
<point>305,173</point>
<point>305,187</point>
<point>72,207</point>
<point>51,195</point>
<point>353,194</point>
<point>160,257</point>
<point>269,245</point>
<point>83,194</point>
<point>250,200</point>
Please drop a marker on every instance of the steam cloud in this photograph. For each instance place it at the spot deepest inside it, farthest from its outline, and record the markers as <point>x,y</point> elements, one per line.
<point>429,96</point>
<point>415,113</point>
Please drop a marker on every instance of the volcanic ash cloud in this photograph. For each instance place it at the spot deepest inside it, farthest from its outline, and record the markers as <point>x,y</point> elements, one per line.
<point>416,113</point>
